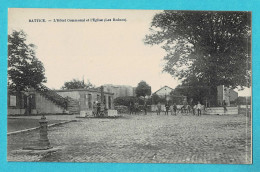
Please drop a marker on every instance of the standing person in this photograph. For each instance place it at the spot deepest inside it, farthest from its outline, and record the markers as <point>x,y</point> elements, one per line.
<point>194,109</point>
<point>199,108</point>
<point>175,109</point>
<point>225,106</point>
<point>166,108</point>
<point>159,108</point>
<point>145,108</point>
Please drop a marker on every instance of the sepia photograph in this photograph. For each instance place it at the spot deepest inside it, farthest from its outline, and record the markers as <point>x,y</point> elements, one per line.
<point>129,86</point>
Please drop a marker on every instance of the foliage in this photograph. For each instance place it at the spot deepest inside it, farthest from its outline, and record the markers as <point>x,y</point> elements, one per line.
<point>122,109</point>
<point>76,84</point>
<point>24,69</point>
<point>213,47</point>
<point>125,101</point>
<point>194,93</point>
<point>143,89</point>
<point>156,99</point>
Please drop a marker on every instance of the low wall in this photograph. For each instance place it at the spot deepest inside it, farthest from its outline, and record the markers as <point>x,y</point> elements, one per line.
<point>220,111</point>
<point>112,113</point>
<point>20,112</point>
<point>86,113</point>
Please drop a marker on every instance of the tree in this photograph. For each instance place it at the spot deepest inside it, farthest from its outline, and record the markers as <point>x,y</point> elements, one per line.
<point>125,101</point>
<point>24,69</point>
<point>143,89</point>
<point>194,93</point>
<point>213,47</point>
<point>76,84</point>
<point>155,99</point>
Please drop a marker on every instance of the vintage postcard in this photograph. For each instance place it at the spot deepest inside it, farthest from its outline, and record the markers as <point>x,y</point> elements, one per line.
<point>131,86</point>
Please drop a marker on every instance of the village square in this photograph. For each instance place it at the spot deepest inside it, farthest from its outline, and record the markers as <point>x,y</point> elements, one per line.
<point>201,118</point>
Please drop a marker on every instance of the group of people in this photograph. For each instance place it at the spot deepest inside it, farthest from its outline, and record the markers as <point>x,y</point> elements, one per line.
<point>172,108</point>
<point>97,108</point>
<point>196,109</point>
<point>134,108</point>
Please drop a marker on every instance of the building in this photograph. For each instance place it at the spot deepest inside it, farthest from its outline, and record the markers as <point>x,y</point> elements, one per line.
<point>87,97</point>
<point>164,91</point>
<point>226,94</point>
<point>46,101</point>
<point>120,90</point>
<point>41,101</point>
<point>233,95</point>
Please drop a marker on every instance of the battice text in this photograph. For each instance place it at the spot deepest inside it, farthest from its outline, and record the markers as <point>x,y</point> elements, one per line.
<point>37,20</point>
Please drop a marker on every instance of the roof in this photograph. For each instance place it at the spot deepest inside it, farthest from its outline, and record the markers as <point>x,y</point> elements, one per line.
<point>163,88</point>
<point>81,89</point>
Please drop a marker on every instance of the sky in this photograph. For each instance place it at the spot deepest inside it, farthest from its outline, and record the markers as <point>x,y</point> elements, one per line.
<point>104,52</point>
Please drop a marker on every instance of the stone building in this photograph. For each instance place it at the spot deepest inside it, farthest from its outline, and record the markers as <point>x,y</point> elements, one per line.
<point>46,101</point>
<point>42,101</point>
<point>226,94</point>
<point>86,98</point>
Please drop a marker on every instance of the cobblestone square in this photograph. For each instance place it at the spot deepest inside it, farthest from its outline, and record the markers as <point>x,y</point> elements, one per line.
<point>145,139</point>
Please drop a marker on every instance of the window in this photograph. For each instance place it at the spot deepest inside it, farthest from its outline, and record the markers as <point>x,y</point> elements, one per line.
<point>12,100</point>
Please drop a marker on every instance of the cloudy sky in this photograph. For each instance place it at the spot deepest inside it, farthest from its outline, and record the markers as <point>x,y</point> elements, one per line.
<point>110,52</point>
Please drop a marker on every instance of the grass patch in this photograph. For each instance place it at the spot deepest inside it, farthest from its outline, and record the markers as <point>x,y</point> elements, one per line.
<point>22,124</point>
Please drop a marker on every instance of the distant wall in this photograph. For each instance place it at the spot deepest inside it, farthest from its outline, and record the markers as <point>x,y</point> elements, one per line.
<point>220,111</point>
<point>16,111</point>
